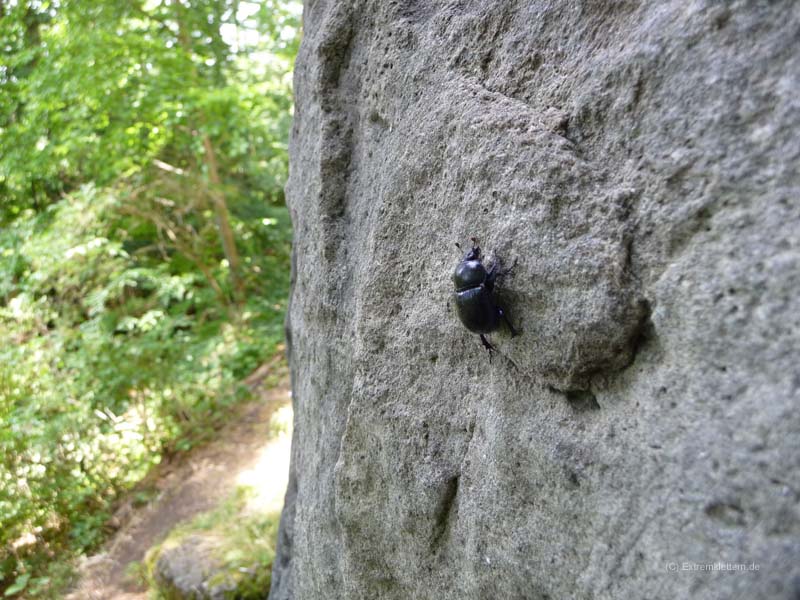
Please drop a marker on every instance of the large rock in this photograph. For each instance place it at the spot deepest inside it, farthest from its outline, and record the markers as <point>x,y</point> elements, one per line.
<point>639,161</point>
<point>192,570</point>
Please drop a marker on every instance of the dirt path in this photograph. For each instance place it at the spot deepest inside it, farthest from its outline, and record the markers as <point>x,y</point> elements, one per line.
<point>243,452</point>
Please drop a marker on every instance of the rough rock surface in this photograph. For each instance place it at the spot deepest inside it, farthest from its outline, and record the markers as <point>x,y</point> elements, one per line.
<point>191,570</point>
<point>640,162</point>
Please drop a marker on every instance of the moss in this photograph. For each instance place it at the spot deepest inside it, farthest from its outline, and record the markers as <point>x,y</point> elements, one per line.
<point>244,548</point>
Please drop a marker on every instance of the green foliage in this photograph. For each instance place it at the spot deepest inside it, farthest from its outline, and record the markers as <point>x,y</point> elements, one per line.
<point>116,358</point>
<point>126,130</point>
<point>95,89</point>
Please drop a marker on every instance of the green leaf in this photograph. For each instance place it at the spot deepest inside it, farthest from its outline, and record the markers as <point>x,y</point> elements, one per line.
<point>19,584</point>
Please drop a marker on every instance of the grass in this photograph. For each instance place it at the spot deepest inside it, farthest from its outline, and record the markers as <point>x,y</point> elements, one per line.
<point>243,548</point>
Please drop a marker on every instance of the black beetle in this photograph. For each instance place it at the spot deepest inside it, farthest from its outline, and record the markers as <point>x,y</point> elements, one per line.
<point>475,295</point>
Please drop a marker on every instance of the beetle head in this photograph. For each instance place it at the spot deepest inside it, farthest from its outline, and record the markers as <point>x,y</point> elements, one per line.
<point>474,253</point>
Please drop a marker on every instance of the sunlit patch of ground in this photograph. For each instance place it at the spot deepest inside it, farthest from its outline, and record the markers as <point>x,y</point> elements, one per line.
<point>251,451</point>
<point>272,465</point>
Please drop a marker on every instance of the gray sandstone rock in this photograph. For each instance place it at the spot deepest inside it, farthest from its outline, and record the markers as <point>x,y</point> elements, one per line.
<point>640,162</point>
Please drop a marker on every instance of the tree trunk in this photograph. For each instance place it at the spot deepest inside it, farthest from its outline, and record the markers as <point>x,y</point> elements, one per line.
<point>223,222</point>
<point>221,213</point>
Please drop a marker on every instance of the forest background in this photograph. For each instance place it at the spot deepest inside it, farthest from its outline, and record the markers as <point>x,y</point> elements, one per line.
<point>144,249</point>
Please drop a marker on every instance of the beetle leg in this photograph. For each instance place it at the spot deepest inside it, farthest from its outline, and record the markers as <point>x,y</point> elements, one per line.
<point>503,316</point>
<point>487,345</point>
<point>491,276</point>
<point>497,272</point>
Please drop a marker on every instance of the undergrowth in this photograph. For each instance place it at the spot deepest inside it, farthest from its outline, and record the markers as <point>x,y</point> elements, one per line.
<point>114,356</point>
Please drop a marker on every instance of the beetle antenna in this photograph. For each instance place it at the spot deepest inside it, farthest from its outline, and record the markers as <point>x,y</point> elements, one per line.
<point>474,242</point>
<point>458,245</point>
